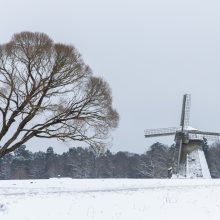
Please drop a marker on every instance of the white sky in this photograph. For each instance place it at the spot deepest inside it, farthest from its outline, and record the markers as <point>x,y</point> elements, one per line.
<point>150,52</point>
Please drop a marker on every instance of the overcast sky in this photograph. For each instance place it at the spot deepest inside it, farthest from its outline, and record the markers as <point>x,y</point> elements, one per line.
<point>150,52</point>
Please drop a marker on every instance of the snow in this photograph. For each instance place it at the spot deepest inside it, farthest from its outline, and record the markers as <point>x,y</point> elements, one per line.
<point>189,128</point>
<point>204,165</point>
<point>196,165</point>
<point>110,199</point>
<point>193,165</point>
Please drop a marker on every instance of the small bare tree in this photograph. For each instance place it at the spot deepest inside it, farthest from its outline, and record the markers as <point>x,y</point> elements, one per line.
<point>47,91</point>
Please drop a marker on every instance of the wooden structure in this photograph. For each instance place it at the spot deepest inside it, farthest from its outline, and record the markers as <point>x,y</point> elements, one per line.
<point>188,141</point>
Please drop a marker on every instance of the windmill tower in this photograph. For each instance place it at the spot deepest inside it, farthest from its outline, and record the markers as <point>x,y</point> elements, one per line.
<point>189,159</point>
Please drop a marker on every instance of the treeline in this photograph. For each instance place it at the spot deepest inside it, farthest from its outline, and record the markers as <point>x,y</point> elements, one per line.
<point>213,160</point>
<point>83,163</point>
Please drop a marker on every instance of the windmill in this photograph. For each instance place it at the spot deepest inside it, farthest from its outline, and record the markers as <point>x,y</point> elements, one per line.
<point>187,139</point>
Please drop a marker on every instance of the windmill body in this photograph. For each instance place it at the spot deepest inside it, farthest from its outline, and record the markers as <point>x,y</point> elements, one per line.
<point>189,160</point>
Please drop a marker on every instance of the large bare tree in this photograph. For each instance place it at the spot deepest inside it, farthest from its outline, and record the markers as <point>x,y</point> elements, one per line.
<point>47,91</point>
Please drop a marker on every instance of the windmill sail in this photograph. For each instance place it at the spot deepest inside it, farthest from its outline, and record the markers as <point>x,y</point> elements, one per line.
<point>184,123</point>
<point>160,132</point>
<point>185,111</point>
<point>196,134</point>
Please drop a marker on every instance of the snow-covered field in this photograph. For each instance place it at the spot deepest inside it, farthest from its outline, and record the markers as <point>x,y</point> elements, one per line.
<point>114,199</point>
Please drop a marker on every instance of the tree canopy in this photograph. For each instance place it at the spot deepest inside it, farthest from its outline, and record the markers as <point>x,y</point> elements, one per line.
<point>47,91</point>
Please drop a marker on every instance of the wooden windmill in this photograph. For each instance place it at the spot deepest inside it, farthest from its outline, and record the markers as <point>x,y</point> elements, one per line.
<point>187,139</point>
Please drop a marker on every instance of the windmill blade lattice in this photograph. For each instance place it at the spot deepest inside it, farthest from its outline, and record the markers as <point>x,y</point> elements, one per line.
<point>185,111</point>
<point>212,136</point>
<point>161,132</point>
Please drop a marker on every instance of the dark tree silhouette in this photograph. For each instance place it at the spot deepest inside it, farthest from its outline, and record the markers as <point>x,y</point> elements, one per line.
<point>84,163</point>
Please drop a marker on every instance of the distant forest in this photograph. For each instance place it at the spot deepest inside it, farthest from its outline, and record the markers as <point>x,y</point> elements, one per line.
<point>84,163</point>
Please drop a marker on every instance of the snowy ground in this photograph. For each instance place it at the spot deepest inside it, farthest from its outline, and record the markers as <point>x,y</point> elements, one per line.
<point>70,199</point>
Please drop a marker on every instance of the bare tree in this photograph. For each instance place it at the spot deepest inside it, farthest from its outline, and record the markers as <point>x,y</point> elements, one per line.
<point>47,91</point>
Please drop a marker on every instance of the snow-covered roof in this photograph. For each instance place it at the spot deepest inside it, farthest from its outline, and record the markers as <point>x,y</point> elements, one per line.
<point>189,128</point>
